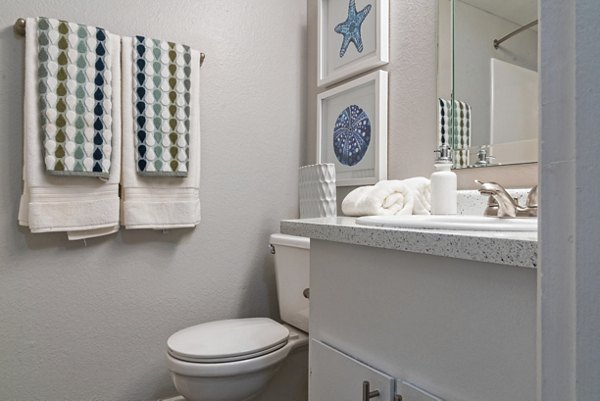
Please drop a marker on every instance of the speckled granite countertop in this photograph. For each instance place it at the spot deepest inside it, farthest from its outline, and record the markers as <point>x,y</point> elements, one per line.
<point>507,248</point>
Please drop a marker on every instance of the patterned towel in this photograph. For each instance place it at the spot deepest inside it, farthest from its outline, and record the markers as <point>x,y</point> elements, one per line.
<point>75,98</point>
<point>161,87</point>
<point>155,202</point>
<point>461,140</point>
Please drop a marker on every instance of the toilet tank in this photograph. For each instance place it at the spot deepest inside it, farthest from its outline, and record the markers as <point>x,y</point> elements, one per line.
<point>291,274</point>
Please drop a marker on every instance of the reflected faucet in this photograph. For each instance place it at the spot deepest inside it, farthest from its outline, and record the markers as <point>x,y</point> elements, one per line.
<point>483,159</point>
<point>501,204</point>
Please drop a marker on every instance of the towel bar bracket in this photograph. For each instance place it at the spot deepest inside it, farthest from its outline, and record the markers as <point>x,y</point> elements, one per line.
<point>19,26</point>
<point>19,29</point>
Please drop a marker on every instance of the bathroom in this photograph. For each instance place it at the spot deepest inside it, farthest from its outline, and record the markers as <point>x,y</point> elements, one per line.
<point>89,320</point>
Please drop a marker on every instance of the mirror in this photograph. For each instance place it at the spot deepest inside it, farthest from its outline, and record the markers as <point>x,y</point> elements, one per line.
<point>488,81</point>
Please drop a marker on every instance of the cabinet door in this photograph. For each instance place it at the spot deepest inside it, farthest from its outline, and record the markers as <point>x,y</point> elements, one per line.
<point>335,376</point>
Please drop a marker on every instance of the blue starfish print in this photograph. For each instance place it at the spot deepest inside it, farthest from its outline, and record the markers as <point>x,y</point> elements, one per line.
<point>351,27</point>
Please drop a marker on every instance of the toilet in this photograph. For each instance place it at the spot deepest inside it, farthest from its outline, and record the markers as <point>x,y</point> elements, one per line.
<point>233,360</point>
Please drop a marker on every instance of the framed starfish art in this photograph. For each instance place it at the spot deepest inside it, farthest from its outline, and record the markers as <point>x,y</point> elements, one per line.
<point>352,129</point>
<point>353,38</point>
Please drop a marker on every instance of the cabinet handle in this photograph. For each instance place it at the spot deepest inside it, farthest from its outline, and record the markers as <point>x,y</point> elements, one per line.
<point>367,394</point>
<point>306,293</point>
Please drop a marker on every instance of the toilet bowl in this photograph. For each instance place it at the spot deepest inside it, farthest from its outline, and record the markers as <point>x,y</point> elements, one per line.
<point>233,360</point>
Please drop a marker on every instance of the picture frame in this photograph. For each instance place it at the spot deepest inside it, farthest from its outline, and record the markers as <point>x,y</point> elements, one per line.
<point>352,125</point>
<point>353,37</point>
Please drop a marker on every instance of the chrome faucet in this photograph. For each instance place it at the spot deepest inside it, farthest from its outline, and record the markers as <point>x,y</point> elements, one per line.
<point>483,159</point>
<point>501,204</point>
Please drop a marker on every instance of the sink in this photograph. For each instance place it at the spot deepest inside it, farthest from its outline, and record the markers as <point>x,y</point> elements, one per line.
<point>453,222</point>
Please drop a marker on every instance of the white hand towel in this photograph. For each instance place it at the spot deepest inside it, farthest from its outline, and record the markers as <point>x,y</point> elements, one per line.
<point>393,197</point>
<point>159,202</point>
<point>84,207</point>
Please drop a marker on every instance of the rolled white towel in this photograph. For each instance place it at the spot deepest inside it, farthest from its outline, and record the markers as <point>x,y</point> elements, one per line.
<point>392,197</point>
<point>422,188</point>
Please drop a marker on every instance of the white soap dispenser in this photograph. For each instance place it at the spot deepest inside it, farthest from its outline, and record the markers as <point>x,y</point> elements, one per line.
<point>443,184</point>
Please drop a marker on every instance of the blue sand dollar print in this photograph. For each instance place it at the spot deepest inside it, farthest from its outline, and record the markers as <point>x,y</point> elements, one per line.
<point>351,27</point>
<point>351,135</point>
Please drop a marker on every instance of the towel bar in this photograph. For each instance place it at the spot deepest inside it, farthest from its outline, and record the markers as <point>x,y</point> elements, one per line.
<point>19,28</point>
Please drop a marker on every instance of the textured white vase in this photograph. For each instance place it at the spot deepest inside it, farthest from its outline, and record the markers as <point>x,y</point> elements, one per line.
<point>316,189</point>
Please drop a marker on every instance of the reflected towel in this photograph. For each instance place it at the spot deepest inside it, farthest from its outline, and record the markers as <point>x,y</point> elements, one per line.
<point>158,202</point>
<point>84,207</point>
<point>392,197</point>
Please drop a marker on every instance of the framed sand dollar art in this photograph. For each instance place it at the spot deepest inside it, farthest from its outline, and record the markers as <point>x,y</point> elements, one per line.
<point>352,129</point>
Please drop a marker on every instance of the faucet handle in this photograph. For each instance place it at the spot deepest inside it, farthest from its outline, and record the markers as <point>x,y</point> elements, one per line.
<point>483,158</point>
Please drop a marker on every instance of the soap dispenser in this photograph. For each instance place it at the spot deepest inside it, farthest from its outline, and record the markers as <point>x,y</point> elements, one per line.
<point>443,184</point>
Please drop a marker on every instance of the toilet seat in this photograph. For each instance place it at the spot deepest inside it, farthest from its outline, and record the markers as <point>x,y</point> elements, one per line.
<point>182,368</point>
<point>227,340</point>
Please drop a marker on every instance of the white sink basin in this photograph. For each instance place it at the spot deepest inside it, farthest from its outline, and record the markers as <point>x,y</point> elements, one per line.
<point>455,222</point>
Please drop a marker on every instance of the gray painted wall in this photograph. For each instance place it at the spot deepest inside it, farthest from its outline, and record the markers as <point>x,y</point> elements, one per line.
<point>412,86</point>
<point>412,98</point>
<point>569,279</point>
<point>90,323</point>
<point>475,33</point>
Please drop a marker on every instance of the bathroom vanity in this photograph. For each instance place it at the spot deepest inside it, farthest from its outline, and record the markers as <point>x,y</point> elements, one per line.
<point>452,312</point>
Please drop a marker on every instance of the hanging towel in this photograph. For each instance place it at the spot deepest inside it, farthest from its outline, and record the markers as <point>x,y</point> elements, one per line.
<point>163,192</point>
<point>84,207</point>
<point>75,97</point>
<point>161,113</point>
<point>393,197</point>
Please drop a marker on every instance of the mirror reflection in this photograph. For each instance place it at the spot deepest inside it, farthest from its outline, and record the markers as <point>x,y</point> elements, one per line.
<point>488,67</point>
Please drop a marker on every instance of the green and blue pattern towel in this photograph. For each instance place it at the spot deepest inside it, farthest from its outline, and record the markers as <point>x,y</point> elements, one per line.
<point>454,129</point>
<point>75,97</point>
<point>161,87</point>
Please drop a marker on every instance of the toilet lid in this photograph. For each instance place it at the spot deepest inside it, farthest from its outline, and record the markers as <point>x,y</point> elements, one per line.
<point>227,340</point>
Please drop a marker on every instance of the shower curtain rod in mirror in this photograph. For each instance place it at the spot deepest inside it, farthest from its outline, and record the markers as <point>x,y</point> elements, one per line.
<point>497,42</point>
<point>20,23</point>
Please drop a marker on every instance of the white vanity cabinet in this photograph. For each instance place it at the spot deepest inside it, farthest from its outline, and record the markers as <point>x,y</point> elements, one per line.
<point>463,330</point>
<point>337,376</point>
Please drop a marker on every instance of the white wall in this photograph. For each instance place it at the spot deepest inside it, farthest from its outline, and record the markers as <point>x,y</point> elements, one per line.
<point>90,323</point>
